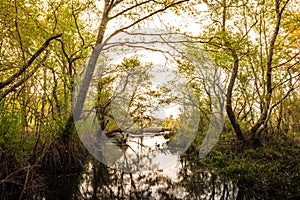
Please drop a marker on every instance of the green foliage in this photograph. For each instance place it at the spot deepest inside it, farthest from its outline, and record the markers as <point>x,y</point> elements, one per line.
<point>41,105</point>
<point>10,127</point>
<point>258,169</point>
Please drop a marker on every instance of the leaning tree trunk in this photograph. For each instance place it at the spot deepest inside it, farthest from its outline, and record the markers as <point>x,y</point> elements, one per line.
<point>229,110</point>
<point>78,107</point>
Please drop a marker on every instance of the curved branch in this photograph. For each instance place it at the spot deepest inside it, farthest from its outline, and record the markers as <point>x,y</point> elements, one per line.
<point>128,9</point>
<point>23,80</point>
<point>30,61</point>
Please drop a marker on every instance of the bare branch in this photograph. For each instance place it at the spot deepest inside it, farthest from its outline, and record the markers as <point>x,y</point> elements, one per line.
<point>130,8</point>
<point>144,18</point>
<point>77,27</point>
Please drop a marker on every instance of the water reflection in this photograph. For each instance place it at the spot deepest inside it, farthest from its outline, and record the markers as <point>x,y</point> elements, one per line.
<point>100,182</point>
<point>147,154</point>
<point>168,176</point>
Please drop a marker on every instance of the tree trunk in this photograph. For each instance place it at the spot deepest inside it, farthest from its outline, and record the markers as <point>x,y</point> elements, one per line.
<point>255,130</point>
<point>229,110</point>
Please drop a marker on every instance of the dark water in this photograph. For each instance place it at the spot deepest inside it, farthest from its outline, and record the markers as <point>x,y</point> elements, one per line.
<point>100,182</point>
<point>154,173</point>
<point>159,175</point>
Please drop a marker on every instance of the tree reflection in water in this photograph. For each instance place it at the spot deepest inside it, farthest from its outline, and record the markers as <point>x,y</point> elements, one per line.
<point>100,182</point>
<point>185,178</point>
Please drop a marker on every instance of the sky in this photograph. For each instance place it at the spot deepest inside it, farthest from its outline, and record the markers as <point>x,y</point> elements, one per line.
<point>182,23</point>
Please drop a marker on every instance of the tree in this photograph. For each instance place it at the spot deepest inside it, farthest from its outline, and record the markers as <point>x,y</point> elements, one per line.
<point>110,12</point>
<point>126,97</point>
<point>248,36</point>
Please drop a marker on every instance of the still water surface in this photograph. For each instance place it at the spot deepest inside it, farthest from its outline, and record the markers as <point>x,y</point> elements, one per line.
<point>159,174</point>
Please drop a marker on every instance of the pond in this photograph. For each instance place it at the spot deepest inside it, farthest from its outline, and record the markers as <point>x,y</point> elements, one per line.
<point>159,174</point>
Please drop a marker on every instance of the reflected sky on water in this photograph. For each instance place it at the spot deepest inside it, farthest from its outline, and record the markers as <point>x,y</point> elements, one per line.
<point>165,176</point>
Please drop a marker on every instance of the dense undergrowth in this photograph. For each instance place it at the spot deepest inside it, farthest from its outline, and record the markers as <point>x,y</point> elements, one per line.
<point>22,176</point>
<point>269,171</point>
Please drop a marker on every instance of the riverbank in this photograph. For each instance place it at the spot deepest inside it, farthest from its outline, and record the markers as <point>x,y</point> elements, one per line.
<point>23,172</point>
<point>271,171</point>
